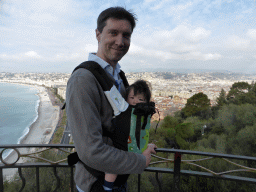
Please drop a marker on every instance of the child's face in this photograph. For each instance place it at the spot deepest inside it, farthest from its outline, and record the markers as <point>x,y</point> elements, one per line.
<point>134,99</point>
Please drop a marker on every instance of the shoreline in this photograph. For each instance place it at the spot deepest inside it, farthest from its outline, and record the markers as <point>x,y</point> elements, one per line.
<point>40,131</point>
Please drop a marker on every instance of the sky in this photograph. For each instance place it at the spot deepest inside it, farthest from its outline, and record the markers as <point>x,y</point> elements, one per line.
<point>57,35</point>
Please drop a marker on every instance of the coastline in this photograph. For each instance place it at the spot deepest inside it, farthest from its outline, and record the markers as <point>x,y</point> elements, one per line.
<point>40,131</point>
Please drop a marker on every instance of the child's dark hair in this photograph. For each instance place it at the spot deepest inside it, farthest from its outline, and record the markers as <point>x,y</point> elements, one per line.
<point>140,87</point>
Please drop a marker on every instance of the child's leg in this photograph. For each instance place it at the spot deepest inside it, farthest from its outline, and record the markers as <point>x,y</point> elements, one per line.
<point>109,181</point>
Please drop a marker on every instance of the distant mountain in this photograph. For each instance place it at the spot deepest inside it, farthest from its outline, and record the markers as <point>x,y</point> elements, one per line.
<point>215,74</point>
<point>177,70</point>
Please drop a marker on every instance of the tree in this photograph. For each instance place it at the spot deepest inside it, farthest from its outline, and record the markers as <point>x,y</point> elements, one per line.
<point>245,141</point>
<point>222,100</point>
<point>233,117</point>
<point>169,122</point>
<point>197,105</point>
<point>239,93</point>
<point>183,132</point>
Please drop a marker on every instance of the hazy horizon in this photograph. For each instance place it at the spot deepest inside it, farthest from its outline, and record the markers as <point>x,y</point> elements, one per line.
<point>57,35</point>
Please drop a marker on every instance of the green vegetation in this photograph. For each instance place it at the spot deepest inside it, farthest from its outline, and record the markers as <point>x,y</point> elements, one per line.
<point>229,128</point>
<point>59,132</point>
<point>54,90</point>
<point>197,105</point>
<point>47,179</point>
<point>61,128</point>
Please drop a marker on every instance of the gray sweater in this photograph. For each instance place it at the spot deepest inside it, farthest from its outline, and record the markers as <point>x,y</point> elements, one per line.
<point>87,111</point>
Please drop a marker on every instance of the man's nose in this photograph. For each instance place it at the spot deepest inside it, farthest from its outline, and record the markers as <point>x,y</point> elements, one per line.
<point>120,40</point>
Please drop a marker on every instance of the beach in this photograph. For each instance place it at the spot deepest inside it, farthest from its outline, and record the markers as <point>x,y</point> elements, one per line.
<point>40,131</point>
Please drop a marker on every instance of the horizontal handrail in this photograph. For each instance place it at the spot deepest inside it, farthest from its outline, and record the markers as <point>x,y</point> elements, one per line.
<point>220,155</point>
<point>38,145</point>
<point>165,150</point>
<point>178,153</point>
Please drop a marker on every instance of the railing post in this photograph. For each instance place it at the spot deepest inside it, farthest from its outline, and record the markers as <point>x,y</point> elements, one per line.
<point>1,180</point>
<point>37,180</point>
<point>159,184</point>
<point>176,179</point>
<point>138,182</point>
<point>72,179</point>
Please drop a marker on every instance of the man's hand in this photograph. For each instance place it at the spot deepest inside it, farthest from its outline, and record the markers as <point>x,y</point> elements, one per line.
<point>147,153</point>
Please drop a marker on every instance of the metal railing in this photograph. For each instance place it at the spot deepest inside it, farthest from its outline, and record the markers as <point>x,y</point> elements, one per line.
<point>197,157</point>
<point>37,149</point>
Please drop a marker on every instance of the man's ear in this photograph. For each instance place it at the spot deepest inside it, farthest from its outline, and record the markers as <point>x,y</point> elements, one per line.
<point>98,35</point>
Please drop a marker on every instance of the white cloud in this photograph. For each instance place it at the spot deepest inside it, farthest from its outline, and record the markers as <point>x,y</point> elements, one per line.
<point>181,43</point>
<point>148,1</point>
<point>90,48</point>
<point>32,54</point>
<point>21,56</point>
<point>68,57</point>
<point>53,31</point>
<point>235,42</point>
<point>159,5</point>
<point>168,55</point>
<point>77,55</point>
<point>251,33</point>
<point>198,34</point>
<point>4,56</point>
<point>180,39</point>
<point>200,56</point>
<point>135,49</point>
<point>176,10</point>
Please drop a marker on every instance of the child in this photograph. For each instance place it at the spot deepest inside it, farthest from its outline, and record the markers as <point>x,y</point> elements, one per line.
<point>138,92</point>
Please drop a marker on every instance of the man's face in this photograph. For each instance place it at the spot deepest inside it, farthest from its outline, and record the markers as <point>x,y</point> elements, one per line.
<point>114,41</point>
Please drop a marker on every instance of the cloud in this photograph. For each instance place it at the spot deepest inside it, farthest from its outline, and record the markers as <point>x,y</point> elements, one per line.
<point>177,10</point>
<point>198,34</point>
<point>251,33</point>
<point>63,31</point>
<point>201,56</point>
<point>32,54</point>
<point>181,43</point>
<point>21,56</point>
<point>181,39</point>
<point>148,1</point>
<point>165,55</point>
<point>236,42</point>
<point>77,55</point>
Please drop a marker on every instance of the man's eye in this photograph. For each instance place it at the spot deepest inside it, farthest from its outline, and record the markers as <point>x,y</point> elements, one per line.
<point>113,33</point>
<point>127,36</point>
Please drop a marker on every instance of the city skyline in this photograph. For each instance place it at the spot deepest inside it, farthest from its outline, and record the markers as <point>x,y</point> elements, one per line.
<point>57,35</point>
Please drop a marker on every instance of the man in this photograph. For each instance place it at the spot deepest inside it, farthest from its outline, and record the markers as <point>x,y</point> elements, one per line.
<point>88,110</point>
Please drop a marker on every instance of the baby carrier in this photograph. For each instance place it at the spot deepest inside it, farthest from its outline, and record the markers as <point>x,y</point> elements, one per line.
<point>130,124</point>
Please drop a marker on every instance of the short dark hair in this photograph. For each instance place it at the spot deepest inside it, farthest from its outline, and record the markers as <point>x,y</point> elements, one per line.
<point>115,13</point>
<point>140,87</point>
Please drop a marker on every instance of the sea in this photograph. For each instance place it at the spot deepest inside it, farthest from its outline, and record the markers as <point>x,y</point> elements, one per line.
<point>18,111</point>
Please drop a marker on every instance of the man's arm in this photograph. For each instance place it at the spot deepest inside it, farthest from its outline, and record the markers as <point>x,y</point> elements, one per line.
<point>87,109</point>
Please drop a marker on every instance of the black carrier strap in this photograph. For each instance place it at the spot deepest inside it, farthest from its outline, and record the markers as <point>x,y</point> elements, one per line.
<point>106,85</point>
<point>100,75</point>
<point>125,82</point>
<point>98,72</point>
